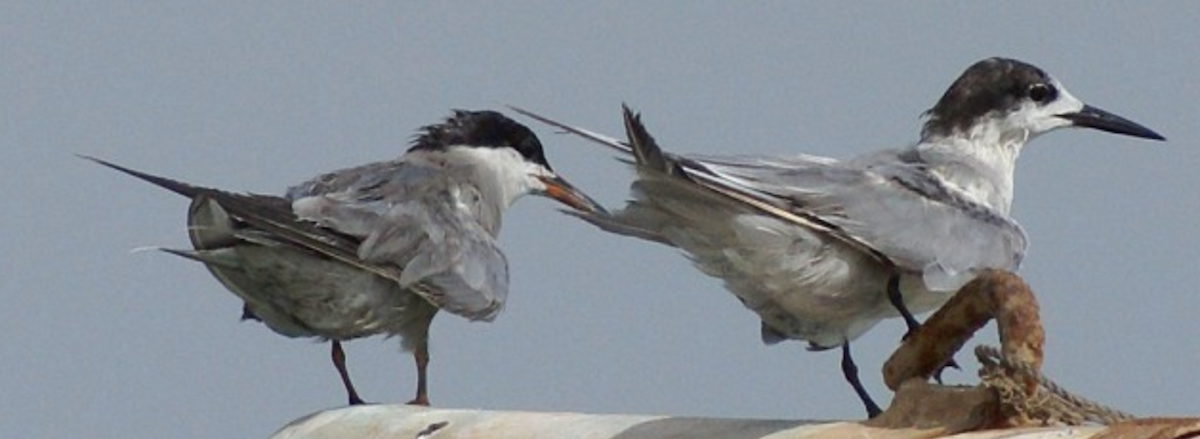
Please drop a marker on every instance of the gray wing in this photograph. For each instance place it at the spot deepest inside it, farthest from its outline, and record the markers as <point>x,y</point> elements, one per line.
<point>891,210</point>
<point>894,208</point>
<point>256,214</point>
<point>406,215</point>
<point>220,223</point>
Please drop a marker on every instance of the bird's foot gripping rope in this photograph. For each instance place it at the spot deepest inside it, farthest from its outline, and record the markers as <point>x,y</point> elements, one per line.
<point>896,297</point>
<point>1013,393</point>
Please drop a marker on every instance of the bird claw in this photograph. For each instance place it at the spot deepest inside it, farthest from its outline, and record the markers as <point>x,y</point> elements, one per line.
<point>951,364</point>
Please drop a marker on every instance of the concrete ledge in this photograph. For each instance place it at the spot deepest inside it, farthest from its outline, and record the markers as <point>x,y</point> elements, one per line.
<point>919,410</point>
<point>409,422</point>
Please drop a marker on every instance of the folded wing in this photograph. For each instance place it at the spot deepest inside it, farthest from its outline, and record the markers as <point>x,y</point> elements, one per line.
<point>412,216</point>
<point>383,218</point>
<point>897,210</point>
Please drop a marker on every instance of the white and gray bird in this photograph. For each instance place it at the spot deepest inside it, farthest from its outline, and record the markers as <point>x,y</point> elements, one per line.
<point>823,249</point>
<point>378,248</point>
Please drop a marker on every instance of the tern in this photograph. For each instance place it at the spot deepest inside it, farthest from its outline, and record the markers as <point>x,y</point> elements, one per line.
<point>378,248</point>
<point>823,249</point>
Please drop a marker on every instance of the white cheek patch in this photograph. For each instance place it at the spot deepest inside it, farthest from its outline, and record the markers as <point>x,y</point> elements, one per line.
<point>502,174</point>
<point>1046,118</point>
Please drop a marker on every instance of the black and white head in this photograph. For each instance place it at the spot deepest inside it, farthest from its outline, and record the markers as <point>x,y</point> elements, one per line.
<point>1008,100</point>
<point>503,151</point>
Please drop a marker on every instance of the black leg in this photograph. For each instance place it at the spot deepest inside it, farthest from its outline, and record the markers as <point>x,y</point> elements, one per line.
<point>897,299</point>
<point>339,361</point>
<point>850,370</point>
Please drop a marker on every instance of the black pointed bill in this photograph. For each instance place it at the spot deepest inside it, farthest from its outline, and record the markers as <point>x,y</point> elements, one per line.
<point>562,191</point>
<point>1092,117</point>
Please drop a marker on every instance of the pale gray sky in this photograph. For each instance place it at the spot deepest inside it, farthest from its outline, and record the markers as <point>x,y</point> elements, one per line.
<point>96,341</point>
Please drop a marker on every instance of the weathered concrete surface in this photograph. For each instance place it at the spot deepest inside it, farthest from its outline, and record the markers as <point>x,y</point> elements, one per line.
<point>919,410</point>
<point>409,422</point>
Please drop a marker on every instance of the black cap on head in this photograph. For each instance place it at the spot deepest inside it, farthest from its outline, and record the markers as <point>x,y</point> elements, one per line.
<point>994,84</point>
<point>487,129</point>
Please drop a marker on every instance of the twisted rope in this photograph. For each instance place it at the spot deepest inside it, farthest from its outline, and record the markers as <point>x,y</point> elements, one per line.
<point>1050,403</point>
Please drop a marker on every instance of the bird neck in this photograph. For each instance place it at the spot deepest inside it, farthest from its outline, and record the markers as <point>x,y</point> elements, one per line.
<point>980,164</point>
<point>490,180</point>
<point>472,203</point>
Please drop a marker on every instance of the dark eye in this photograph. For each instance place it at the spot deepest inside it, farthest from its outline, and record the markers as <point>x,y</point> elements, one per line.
<point>1042,93</point>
